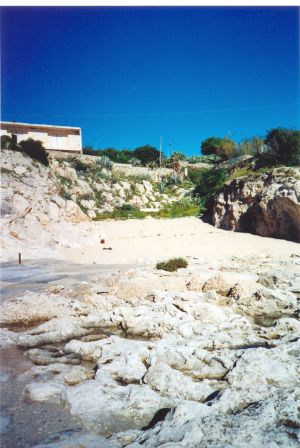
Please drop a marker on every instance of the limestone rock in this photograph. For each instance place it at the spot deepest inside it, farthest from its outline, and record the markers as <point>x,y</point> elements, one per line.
<point>218,284</point>
<point>112,410</point>
<point>43,391</point>
<point>74,213</point>
<point>266,205</point>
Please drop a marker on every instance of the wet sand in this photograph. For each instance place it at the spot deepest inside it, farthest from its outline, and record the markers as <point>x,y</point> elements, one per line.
<point>23,424</point>
<point>35,275</point>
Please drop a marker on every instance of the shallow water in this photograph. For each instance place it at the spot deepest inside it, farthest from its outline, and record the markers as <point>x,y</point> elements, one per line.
<point>36,275</point>
<point>24,424</point>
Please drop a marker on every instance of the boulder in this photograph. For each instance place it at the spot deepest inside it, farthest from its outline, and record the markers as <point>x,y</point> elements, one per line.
<point>88,204</point>
<point>74,213</point>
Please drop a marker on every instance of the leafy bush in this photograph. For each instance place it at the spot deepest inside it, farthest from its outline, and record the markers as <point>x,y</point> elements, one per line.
<point>222,147</point>
<point>284,145</point>
<point>127,207</point>
<point>212,158</point>
<point>178,209</point>
<point>173,179</point>
<point>188,201</point>
<point>195,175</point>
<point>89,151</point>
<point>122,213</point>
<point>8,143</point>
<point>252,146</point>
<point>115,155</point>
<point>105,162</point>
<point>142,155</point>
<point>210,183</point>
<point>172,265</point>
<point>34,149</point>
<point>147,154</point>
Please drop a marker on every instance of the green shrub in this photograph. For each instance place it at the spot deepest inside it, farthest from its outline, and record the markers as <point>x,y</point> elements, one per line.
<point>88,150</point>
<point>105,163</point>
<point>252,146</point>
<point>204,159</point>
<point>240,173</point>
<point>127,207</point>
<point>147,154</point>
<point>172,265</point>
<point>65,181</point>
<point>284,145</point>
<point>135,179</point>
<point>173,179</point>
<point>210,183</point>
<point>222,147</point>
<point>195,175</point>
<point>178,209</point>
<point>8,143</point>
<point>35,150</point>
<point>123,212</point>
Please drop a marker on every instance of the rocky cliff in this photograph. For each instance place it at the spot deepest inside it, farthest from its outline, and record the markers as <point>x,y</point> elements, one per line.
<point>43,208</point>
<point>34,217</point>
<point>264,204</point>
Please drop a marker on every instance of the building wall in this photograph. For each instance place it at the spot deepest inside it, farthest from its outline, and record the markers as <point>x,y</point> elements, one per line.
<point>58,139</point>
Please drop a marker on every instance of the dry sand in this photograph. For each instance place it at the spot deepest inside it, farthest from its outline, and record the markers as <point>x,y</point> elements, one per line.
<point>138,241</point>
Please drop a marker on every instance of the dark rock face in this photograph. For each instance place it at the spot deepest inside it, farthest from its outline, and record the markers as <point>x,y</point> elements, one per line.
<point>265,204</point>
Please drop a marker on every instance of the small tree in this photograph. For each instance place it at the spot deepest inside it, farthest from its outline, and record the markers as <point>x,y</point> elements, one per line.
<point>284,145</point>
<point>211,146</point>
<point>35,149</point>
<point>252,146</point>
<point>222,147</point>
<point>147,154</point>
<point>227,149</point>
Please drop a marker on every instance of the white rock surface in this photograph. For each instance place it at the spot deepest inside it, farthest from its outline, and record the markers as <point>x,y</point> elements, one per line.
<point>205,357</point>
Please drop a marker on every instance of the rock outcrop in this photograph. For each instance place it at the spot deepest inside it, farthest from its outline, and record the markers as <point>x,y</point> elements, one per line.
<point>168,365</point>
<point>33,214</point>
<point>57,203</point>
<point>263,204</point>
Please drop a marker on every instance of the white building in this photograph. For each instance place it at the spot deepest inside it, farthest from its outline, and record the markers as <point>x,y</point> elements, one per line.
<point>53,138</point>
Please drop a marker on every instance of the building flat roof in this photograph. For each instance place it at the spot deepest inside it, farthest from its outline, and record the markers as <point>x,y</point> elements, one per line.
<point>12,123</point>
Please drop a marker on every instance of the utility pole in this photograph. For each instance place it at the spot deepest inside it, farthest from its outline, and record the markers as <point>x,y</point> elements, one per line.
<point>160,151</point>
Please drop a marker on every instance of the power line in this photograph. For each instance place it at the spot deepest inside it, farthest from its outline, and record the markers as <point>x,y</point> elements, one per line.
<point>159,114</point>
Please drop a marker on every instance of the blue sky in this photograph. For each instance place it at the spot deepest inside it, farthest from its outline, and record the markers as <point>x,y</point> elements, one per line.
<point>127,76</point>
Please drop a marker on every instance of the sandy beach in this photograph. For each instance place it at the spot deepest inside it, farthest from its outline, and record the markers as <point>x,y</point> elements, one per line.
<point>139,241</point>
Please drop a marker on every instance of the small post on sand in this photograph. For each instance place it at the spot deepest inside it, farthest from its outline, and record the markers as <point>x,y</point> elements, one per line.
<point>20,258</point>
